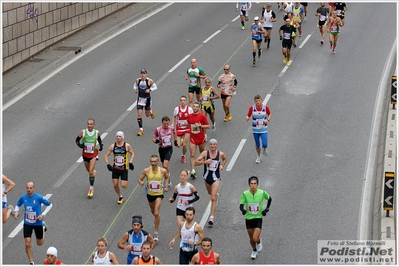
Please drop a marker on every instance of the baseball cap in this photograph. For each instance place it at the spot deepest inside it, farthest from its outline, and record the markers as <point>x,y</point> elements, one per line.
<point>268,4</point>
<point>143,71</point>
<point>256,18</point>
<point>52,251</point>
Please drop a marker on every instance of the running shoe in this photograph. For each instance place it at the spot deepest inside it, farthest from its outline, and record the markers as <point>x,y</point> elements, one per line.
<point>243,28</point>
<point>299,38</point>
<point>226,118</point>
<point>140,132</point>
<point>183,159</point>
<point>305,18</point>
<point>11,207</point>
<point>259,246</point>
<point>152,115</point>
<point>294,45</point>
<point>211,220</point>
<point>321,42</point>
<point>330,45</point>
<point>333,51</point>
<point>230,117</point>
<point>268,47</point>
<point>254,62</point>
<point>193,175</point>
<point>32,263</point>
<point>156,238</point>
<point>284,59</point>
<point>253,255</point>
<point>97,157</point>
<point>259,53</point>
<point>121,200</point>
<point>288,63</point>
<point>44,226</point>
<point>257,160</point>
<point>90,193</point>
<point>278,8</point>
<point>213,127</point>
<point>265,151</point>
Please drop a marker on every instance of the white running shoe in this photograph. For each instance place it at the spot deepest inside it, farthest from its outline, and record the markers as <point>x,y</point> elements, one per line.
<point>253,255</point>
<point>257,160</point>
<point>156,238</point>
<point>259,246</point>
<point>11,207</point>
<point>210,221</point>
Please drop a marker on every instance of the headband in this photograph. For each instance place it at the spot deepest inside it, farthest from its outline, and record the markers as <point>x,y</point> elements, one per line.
<point>137,220</point>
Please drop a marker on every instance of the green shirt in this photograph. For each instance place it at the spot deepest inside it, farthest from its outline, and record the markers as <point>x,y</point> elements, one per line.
<point>253,203</point>
<point>90,142</point>
<point>194,81</point>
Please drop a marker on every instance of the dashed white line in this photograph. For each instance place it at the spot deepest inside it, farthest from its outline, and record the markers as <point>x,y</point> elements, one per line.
<point>235,155</point>
<point>304,41</point>
<point>210,37</point>
<point>179,63</point>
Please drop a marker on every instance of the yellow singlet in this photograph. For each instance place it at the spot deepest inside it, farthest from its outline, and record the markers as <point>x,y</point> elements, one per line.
<point>154,183</point>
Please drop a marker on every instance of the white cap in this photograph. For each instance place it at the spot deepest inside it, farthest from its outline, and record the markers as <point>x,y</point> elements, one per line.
<point>120,133</point>
<point>256,18</point>
<point>52,251</point>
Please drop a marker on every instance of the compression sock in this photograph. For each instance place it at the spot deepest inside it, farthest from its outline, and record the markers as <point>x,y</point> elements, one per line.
<point>140,122</point>
<point>91,181</point>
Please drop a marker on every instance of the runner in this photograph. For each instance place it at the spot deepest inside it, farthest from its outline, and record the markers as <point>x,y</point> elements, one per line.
<point>51,259</point>
<point>146,257</point>
<point>191,235</point>
<point>228,84</point>
<point>33,217</point>
<point>268,17</point>
<point>341,8</point>
<point>155,188</point>
<point>179,120</point>
<point>322,13</point>
<point>206,256</point>
<point>305,9</point>
<point>143,88</point>
<point>243,8</point>
<point>186,195</point>
<point>132,241</point>
<point>288,31</point>
<point>198,125</point>
<point>90,138</point>
<point>261,116</point>
<point>256,34</point>
<point>213,161</point>
<point>8,185</point>
<point>333,29</point>
<point>252,199</point>
<point>163,136</point>
<point>299,16</point>
<point>208,94</point>
<point>122,162</point>
<point>102,256</point>
<point>286,8</point>
<point>194,74</point>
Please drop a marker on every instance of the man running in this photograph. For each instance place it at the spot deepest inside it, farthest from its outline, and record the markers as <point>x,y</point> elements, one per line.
<point>146,257</point>
<point>8,185</point>
<point>90,138</point>
<point>51,259</point>
<point>287,33</point>
<point>33,217</point>
<point>143,88</point>
<point>122,163</point>
<point>155,188</point>
<point>322,13</point>
<point>228,84</point>
<point>186,195</point>
<point>191,235</point>
<point>208,94</point>
<point>163,136</point>
<point>341,8</point>
<point>333,28</point>
<point>206,256</point>
<point>132,241</point>
<point>198,124</point>
<point>268,17</point>
<point>261,116</point>
<point>213,161</point>
<point>299,15</point>
<point>179,121</point>
<point>243,8</point>
<point>252,200</point>
<point>256,34</point>
<point>194,74</point>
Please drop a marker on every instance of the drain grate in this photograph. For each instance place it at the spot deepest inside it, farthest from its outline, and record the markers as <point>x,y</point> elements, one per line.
<point>77,49</point>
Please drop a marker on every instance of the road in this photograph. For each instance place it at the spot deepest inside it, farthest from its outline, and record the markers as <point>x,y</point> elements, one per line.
<point>322,108</point>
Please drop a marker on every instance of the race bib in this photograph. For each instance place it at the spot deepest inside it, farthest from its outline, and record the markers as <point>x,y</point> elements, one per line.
<point>136,247</point>
<point>193,81</point>
<point>166,140</point>
<point>204,99</point>
<point>195,129</point>
<point>260,123</point>
<point>155,186</point>
<point>89,148</point>
<point>30,216</point>
<point>142,101</point>
<point>214,165</point>
<point>181,123</point>
<point>186,246</point>
<point>119,160</point>
<point>339,12</point>
<point>287,36</point>
<point>253,208</point>
<point>322,18</point>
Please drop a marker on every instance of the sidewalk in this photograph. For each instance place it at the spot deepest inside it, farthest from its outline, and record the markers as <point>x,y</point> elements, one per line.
<point>30,72</point>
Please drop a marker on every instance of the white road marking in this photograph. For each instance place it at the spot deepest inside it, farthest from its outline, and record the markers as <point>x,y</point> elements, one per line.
<point>235,155</point>
<point>210,37</point>
<point>236,18</point>
<point>284,70</point>
<point>179,63</point>
<point>21,224</point>
<point>304,41</point>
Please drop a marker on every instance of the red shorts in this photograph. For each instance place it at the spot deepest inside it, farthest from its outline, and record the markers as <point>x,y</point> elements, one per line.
<point>178,133</point>
<point>197,140</point>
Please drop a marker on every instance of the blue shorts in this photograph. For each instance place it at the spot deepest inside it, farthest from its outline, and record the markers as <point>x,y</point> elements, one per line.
<point>263,137</point>
<point>4,205</point>
<point>130,258</point>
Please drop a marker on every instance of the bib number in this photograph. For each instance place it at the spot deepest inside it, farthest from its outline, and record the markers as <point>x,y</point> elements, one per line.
<point>155,186</point>
<point>89,148</point>
<point>30,217</point>
<point>214,165</point>
<point>193,81</point>
<point>195,129</point>
<point>142,101</point>
<point>253,208</point>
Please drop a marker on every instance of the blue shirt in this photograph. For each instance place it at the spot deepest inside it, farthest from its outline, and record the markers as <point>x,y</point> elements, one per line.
<point>33,207</point>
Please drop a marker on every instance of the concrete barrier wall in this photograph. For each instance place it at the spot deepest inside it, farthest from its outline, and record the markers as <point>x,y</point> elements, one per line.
<point>28,28</point>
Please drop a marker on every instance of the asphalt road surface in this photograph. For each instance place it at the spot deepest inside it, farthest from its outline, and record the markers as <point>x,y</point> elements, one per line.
<point>322,108</point>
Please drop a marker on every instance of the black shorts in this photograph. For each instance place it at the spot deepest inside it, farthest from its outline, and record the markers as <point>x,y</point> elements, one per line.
<point>87,159</point>
<point>304,4</point>
<point>165,153</point>
<point>322,23</point>
<point>223,96</point>
<point>209,110</point>
<point>287,43</point>
<point>153,198</point>
<point>194,90</point>
<point>147,106</point>
<point>180,212</point>
<point>257,41</point>
<point>116,174</point>
<point>254,223</point>
<point>28,230</point>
